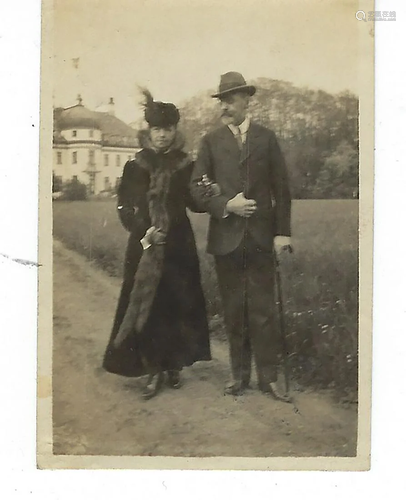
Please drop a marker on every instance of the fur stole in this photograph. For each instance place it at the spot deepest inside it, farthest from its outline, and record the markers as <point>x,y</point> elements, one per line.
<point>150,267</point>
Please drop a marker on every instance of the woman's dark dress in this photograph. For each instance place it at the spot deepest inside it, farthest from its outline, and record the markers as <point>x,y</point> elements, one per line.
<point>176,333</point>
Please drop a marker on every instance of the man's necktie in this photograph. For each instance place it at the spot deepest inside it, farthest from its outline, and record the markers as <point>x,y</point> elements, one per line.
<point>238,136</point>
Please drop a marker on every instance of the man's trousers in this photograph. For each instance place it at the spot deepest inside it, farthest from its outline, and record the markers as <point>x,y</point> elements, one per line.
<point>246,279</point>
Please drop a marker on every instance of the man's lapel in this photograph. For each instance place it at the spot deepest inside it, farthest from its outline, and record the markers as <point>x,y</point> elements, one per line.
<point>230,145</point>
<point>228,142</point>
<point>251,143</point>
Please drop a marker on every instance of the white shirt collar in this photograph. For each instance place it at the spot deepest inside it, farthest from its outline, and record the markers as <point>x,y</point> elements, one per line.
<point>244,126</point>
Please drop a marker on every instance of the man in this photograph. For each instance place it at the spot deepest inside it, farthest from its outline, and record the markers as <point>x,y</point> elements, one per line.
<point>240,178</point>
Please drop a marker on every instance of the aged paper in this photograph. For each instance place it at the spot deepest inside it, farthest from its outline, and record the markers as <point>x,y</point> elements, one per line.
<point>302,57</point>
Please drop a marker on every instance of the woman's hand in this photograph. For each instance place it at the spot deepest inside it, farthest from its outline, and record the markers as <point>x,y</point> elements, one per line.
<point>153,236</point>
<point>156,236</point>
<point>210,188</point>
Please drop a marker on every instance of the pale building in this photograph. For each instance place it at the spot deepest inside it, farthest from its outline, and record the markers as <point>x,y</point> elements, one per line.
<point>91,146</point>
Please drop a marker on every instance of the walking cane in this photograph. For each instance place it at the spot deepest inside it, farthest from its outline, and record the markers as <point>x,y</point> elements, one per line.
<point>285,349</point>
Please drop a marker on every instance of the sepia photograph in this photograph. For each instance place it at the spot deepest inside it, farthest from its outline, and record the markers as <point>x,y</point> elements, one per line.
<point>206,197</point>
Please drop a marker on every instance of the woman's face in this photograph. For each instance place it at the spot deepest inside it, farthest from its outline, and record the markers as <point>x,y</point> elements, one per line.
<point>162,138</point>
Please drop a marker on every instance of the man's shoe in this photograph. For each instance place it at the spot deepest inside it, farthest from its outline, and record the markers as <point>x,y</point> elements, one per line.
<point>174,379</point>
<point>235,388</point>
<point>271,388</point>
<point>153,386</point>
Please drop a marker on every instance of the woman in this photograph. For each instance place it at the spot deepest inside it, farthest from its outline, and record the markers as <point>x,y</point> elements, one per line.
<point>160,323</point>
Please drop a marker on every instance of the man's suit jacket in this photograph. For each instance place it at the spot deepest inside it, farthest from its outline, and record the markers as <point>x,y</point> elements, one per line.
<point>259,171</point>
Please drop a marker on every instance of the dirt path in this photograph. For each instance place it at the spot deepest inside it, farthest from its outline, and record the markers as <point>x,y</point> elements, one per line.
<point>97,413</point>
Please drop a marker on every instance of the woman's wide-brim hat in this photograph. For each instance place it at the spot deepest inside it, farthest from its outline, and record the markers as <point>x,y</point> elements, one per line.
<point>233,82</point>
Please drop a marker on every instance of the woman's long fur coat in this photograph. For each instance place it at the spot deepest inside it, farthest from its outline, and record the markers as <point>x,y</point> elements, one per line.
<point>161,321</point>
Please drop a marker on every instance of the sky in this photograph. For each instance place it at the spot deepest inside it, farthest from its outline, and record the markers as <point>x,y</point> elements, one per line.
<point>178,48</point>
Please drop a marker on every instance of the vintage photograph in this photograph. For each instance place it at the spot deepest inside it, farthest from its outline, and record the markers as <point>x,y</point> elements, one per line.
<point>207,173</point>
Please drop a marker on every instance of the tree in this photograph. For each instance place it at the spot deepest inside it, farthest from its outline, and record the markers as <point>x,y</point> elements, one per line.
<point>338,177</point>
<point>310,125</point>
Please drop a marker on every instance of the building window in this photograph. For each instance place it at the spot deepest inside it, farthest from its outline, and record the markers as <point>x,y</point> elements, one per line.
<point>90,133</point>
<point>106,183</point>
<point>59,158</point>
<point>91,156</point>
<point>74,133</point>
<point>117,160</point>
<point>106,160</point>
<point>74,157</point>
<point>75,178</point>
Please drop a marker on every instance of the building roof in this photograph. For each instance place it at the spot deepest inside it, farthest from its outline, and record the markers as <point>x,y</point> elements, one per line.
<point>114,131</point>
<point>77,117</point>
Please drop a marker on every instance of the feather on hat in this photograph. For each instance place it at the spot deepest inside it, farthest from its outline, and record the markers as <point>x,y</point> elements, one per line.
<point>158,114</point>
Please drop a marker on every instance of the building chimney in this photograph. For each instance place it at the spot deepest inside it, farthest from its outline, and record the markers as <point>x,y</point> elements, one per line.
<point>79,99</point>
<point>111,107</point>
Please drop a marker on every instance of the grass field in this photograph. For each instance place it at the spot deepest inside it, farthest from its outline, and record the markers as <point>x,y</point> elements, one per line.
<point>320,280</point>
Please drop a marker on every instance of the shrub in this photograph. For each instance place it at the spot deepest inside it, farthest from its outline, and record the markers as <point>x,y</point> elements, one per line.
<point>56,183</point>
<point>74,190</point>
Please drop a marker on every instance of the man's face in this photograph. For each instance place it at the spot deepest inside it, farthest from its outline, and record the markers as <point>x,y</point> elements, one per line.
<point>162,138</point>
<point>234,108</point>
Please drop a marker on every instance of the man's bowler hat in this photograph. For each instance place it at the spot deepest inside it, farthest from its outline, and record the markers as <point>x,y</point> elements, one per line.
<point>233,82</point>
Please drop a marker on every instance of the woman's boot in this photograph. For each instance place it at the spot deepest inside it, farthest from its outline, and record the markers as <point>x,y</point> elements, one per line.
<point>153,385</point>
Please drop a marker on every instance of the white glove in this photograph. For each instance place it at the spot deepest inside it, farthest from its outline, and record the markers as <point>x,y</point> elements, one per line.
<point>282,243</point>
<point>153,236</point>
<point>145,240</point>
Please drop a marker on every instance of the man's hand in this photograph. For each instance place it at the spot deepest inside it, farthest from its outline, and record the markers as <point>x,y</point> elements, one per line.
<point>282,243</point>
<point>241,206</point>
